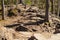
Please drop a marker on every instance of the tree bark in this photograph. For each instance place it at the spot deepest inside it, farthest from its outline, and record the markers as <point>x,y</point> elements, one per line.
<point>47,11</point>
<point>21,2</point>
<point>2,9</point>
<point>58,8</point>
<point>52,4</point>
<point>32,2</point>
<point>16,3</point>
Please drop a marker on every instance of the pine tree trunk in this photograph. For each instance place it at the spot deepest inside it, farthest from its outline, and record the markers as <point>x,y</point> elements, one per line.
<point>16,3</point>
<point>52,4</point>
<point>47,11</point>
<point>58,8</point>
<point>2,9</point>
<point>32,2</point>
<point>21,2</point>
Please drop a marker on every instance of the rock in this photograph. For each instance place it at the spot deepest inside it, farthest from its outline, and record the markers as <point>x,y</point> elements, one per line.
<point>58,26</point>
<point>21,28</point>
<point>5,33</point>
<point>13,6</point>
<point>57,29</point>
<point>27,34</point>
<point>34,30</point>
<point>39,36</point>
<point>32,38</point>
<point>33,9</point>
<point>36,18</point>
<point>12,12</point>
<point>55,37</point>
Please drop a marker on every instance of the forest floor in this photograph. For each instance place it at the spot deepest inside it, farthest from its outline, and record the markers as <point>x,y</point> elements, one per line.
<point>29,24</point>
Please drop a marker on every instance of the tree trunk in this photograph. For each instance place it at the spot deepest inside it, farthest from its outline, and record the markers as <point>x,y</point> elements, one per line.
<point>16,3</point>
<point>2,9</point>
<point>32,2</point>
<point>58,8</point>
<point>21,2</point>
<point>47,11</point>
<point>52,4</point>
